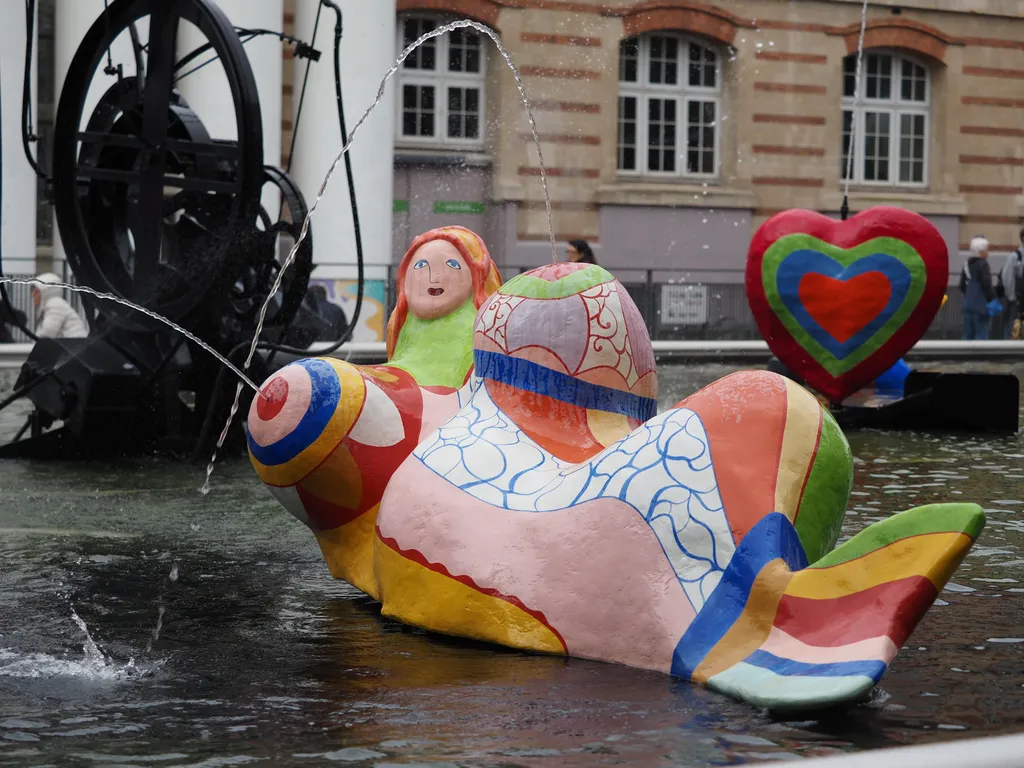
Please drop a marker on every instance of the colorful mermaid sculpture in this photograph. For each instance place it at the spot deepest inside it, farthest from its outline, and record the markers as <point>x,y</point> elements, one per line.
<point>328,436</point>
<point>557,513</point>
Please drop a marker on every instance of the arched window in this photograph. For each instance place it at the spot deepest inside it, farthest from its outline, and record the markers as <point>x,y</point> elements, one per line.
<point>669,92</point>
<point>440,86</point>
<point>890,120</point>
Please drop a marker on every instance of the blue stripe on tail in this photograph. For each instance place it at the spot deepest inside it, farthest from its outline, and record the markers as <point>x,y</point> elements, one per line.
<point>772,538</point>
<point>780,666</point>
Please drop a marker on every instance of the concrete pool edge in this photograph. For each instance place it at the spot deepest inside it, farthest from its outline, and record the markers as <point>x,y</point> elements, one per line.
<point>13,355</point>
<point>988,752</point>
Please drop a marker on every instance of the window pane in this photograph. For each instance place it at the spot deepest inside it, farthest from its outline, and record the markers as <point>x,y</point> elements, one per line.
<point>661,135</point>
<point>876,146</point>
<point>702,67</point>
<point>844,169</point>
<point>424,56</point>
<point>463,113</point>
<point>463,51</point>
<point>913,82</point>
<point>629,54</point>
<point>878,80</point>
<point>627,133</point>
<point>701,118</point>
<point>850,76</point>
<point>418,110</point>
<point>912,138</point>
<point>664,61</point>
<point>455,51</point>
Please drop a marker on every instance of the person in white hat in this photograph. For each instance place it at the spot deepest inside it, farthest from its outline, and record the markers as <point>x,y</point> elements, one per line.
<point>980,302</point>
<point>55,318</point>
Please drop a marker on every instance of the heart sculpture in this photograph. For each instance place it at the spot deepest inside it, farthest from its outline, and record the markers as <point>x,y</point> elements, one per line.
<point>839,302</point>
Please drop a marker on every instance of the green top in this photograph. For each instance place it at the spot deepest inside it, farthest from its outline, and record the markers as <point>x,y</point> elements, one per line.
<point>438,352</point>
<point>532,287</point>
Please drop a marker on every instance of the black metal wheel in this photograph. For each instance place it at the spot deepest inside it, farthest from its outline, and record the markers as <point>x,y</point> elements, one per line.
<point>271,240</point>
<point>150,207</point>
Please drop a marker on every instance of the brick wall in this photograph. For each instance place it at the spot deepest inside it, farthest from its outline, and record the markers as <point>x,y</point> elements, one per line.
<point>781,117</point>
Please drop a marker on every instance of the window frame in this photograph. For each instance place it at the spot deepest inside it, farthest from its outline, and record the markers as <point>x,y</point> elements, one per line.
<point>441,79</point>
<point>683,94</point>
<point>896,107</point>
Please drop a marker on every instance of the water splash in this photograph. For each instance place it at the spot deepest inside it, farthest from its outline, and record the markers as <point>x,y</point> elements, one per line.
<point>93,654</point>
<point>148,312</point>
<point>93,666</point>
<point>856,99</point>
<point>443,29</point>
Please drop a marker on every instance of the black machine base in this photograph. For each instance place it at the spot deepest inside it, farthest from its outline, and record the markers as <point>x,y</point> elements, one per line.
<point>106,402</point>
<point>944,402</point>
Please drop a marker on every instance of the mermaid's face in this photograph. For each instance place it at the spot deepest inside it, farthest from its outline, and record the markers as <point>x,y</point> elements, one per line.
<point>438,280</point>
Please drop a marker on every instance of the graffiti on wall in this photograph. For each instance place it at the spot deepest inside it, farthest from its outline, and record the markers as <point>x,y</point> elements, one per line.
<point>372,318</point>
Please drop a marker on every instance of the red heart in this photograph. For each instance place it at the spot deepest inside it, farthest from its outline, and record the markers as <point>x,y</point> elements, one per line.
<point>880,222</point>
<point>843,307</point>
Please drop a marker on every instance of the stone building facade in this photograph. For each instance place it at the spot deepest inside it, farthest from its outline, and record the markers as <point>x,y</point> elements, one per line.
<point>671,129</point>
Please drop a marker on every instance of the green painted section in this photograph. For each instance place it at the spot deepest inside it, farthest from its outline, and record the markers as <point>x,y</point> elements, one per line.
<point>764,688</point>
<point>458,206</point>
<point>400,206</point>
<point>823,505</point>
<point>933,518</point>
<point>530,287</point>
<point>898,249</point>
<point>438,352</point>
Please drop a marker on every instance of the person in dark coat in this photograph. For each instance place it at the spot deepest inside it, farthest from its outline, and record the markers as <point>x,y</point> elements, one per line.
<point>980,302</point>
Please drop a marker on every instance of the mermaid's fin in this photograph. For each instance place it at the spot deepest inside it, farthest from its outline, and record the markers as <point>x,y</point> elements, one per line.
<point>784,636</point>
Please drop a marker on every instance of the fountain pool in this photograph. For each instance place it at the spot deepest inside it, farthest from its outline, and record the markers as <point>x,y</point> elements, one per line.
<point>215,636</point>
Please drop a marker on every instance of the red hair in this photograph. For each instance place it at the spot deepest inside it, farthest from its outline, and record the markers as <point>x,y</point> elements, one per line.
<point>486,279</point>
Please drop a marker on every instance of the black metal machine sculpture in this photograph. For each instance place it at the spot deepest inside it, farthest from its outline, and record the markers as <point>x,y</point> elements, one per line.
<point>154,210</point>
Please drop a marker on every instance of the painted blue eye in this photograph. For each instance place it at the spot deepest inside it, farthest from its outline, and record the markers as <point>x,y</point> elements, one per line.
<point>420,264</point>
<point>453,264</point>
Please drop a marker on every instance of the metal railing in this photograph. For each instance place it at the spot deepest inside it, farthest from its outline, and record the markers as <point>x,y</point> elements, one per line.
<point>677,305</point>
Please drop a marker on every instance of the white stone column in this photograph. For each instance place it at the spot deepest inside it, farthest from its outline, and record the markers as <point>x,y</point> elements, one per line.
<point>18,212</point>
<point>72,20</point>
<point>209,95</point>
<point>367,52</point>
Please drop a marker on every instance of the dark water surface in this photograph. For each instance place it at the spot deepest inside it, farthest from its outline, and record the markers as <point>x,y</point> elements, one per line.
<point>142,623</point>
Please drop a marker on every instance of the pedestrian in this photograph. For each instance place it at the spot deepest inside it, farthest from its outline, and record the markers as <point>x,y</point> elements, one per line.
<point>979,303</point>
<point>55,318</point>
<point>1010,292</point>
<point>579,252</point>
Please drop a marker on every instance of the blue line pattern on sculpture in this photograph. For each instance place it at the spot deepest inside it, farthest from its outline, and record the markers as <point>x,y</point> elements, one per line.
<point>663,470</point>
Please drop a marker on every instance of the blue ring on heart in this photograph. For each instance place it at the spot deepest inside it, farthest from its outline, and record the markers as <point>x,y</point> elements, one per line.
<point>804,261</point>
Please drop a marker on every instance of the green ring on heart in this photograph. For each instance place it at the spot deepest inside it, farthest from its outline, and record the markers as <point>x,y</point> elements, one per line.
<point>897,249</point>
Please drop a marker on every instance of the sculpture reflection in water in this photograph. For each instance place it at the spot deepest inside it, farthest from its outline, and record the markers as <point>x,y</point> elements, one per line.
<point>545,506</point>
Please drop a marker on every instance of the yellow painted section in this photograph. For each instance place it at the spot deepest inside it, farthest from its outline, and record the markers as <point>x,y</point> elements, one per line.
<point>348,551</point>
<point>414,594</point>
<point>350,403</point>
<point>803,423</point>
<point>934,556</point>
<point>380,374</point>
<point>751,629</point>
<point>606,427</point>
<point>337,479</point>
